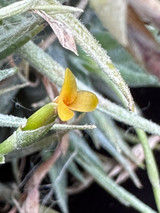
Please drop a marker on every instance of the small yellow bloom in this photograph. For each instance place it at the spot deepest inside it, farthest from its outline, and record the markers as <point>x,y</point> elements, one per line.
<point>71,100</point>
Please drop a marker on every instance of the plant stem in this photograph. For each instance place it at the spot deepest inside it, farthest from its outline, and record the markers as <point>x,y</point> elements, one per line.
<point>151,166</point>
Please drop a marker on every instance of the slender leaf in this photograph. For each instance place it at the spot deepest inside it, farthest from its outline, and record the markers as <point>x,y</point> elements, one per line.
<point>19,30</point>
<point>129,118</point>
<point>7,73</point>
<point>73,169</point>
<point>59,184</point>
<point>151,166</point>
<point>11,121</point>
<point>16,87</point>
<point>110,130</point>
<point>98,136</point>
<point>80,144</point>
<point>20,139</point>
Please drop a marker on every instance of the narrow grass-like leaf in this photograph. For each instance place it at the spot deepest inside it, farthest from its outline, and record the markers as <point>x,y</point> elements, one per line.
<point>17,31</point>
<point>26,5</point>
<point>139,79</point>
<point>16,87</point>
<point>97,172</point>
<point>87,65</point>
<point>80,144</point>
<point>8,73</point>
<point>11,121</point>
<point>98,136</point>
<point>15,8</point>
<point>54,9</point>
<point>20,139</point>
<point>50,141</point>
<point>130,71</point>
<point>22,28</point>
<point>129,118</point>
<point>130,137</point>
<point>152,169</point>
<point>73,169</point>
<point>44,64</point>
<point>59,185</point>
<point>110,130</point>
<point>133,74</point>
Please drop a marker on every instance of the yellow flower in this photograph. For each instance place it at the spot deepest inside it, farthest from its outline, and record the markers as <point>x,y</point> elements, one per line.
<point>71,100</point>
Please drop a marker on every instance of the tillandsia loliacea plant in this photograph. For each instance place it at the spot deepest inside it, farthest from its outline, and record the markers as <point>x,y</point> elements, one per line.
<point>39,98</point>
<point>42,120</point>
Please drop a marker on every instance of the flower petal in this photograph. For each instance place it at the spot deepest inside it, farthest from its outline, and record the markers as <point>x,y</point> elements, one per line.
<point>84,102</point>
<point>64,112</point>
<point>69,89</point>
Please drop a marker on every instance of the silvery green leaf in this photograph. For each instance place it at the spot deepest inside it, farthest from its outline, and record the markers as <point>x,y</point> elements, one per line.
<point>73,169</point>
<point>99,137</point>
<point>20,139</point>
<point>16,31</point>
<point>7,100</point>
<point>12,88</point>
<point>110,130</point>
<point>59,184</point>
<point>7,73</point>
<point>45,143</point>
<point>11,121</point>
<point>79,143</point>
<point>132,73</point>
<point>132,119</point>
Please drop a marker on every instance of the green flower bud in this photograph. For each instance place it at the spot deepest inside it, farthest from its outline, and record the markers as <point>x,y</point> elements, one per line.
<point>42,117</point>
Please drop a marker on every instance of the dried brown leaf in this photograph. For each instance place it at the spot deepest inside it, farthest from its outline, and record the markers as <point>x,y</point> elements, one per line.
<point>63,33</point>
<point>125,20</point>
<point>50,88</point>
<point>113,16</point>
<point>31,203</point>
<point>149,10</point>
<point>138,152</point>
<point>142,44</point>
